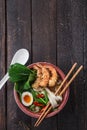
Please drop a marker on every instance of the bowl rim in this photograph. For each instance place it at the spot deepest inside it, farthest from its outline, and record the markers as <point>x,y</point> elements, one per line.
<point>36,115</point>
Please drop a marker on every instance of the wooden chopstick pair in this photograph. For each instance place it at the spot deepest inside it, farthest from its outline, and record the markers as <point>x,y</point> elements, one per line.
<point>49,107</point>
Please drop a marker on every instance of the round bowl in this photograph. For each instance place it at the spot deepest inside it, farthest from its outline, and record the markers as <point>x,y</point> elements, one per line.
<point>60,107</point>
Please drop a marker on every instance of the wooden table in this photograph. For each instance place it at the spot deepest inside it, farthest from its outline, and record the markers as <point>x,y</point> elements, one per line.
<point>54,31</point>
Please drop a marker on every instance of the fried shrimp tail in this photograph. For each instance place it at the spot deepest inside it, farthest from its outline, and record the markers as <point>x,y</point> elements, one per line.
<point>53,77</point>
<point>45,76</point>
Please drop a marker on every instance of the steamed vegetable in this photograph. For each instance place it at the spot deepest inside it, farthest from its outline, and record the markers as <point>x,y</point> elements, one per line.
<point>18,72</point>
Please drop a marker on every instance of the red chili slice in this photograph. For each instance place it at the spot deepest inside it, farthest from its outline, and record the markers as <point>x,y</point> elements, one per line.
<point>38,104</point>
<point>40,96</point>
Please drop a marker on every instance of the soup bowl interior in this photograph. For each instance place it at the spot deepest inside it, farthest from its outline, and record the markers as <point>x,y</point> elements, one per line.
<point>60,107</point>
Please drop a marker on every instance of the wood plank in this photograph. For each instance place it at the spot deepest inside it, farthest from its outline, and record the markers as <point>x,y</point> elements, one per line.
<point>44,30</point>
<point>70,49</point>
<point>44,42</point>
<point>18,36</point>
<point>2,65</point>
<point>85,61</point>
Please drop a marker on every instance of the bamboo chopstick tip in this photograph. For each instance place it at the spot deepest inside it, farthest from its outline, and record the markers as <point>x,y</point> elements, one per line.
<point>75,63</point>
<point>34,125</point>
<point>81,66</point>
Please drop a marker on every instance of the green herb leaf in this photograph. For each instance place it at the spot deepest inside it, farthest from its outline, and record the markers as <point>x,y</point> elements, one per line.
<point>30,80</point>
<point>18,72</point>
<point>27,86</point>
<point>19,87</point>
<point>46,96</point>
<point>22,76</point>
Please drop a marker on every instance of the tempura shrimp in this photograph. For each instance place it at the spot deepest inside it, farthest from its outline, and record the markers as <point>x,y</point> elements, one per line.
<point>53,77</point>
<point>45,76</point>
<point>38,79</point>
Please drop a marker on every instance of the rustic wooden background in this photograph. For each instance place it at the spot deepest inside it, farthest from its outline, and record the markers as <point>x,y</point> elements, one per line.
<point>54,31</point>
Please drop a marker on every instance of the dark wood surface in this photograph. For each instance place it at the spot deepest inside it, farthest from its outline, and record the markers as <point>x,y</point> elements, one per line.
<point>54,31</point>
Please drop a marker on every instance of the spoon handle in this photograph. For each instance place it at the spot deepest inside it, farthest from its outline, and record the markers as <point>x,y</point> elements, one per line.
<point>4,79</point>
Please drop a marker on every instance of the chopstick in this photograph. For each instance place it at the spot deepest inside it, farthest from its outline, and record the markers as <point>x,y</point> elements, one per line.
<point>67,76</point>
<point>43,115</point>
<point>65,79</point>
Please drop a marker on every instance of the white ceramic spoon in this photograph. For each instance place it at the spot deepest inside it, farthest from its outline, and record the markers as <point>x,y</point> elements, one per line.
<point>21,56</point>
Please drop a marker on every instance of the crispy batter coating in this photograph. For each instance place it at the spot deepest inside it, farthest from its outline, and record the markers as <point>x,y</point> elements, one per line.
<point>53,77</point>
<point>38,79</point>
<point>45,76</point>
